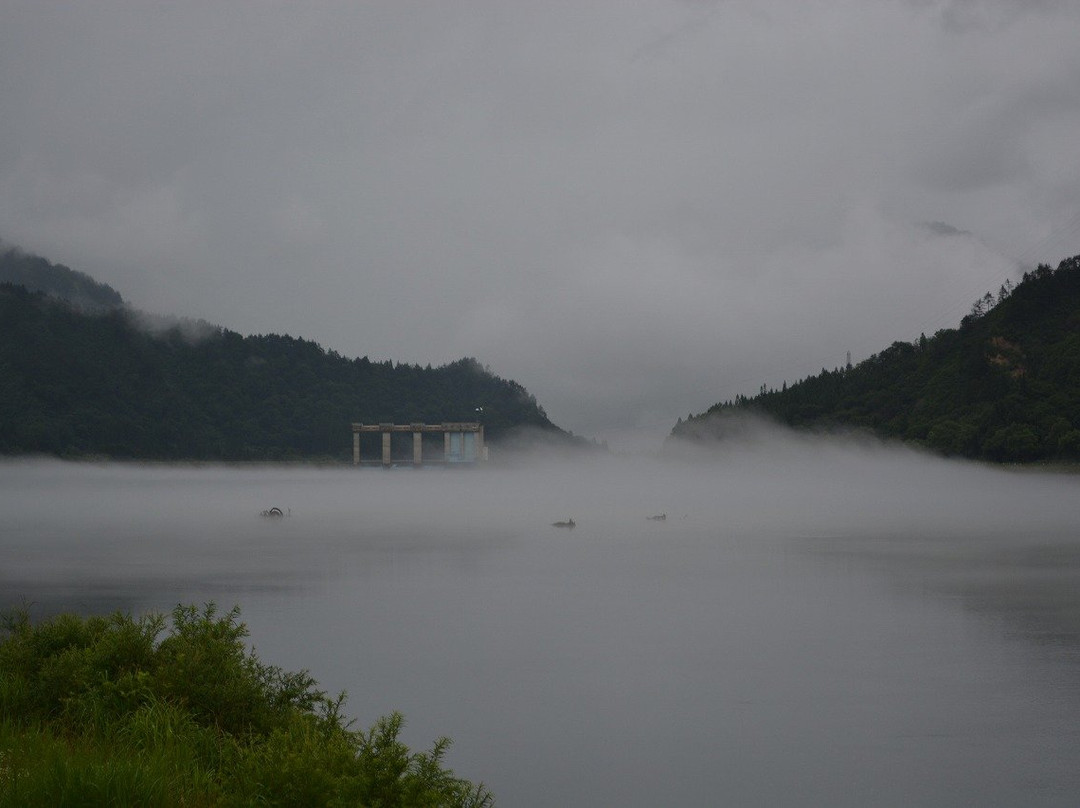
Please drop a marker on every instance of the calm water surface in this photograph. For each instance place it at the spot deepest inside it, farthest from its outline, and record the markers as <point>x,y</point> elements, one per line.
<point>811,624</point>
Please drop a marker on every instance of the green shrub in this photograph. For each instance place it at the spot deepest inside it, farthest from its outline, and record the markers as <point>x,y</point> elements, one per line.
<point>99,711</point>
<point>41,768</point>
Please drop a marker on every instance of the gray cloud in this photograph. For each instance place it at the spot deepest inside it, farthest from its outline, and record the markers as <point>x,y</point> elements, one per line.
<point>633,214</point>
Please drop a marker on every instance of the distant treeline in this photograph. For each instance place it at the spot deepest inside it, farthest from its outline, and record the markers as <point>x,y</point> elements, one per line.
<point>1004,386</point>
<point>56,280</point>
<point>76,383</point>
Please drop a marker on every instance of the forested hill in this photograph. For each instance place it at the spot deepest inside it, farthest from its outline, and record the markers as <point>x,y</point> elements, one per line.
<point>56,280</point>
<point>1004,386</point>
<point>77,384</point>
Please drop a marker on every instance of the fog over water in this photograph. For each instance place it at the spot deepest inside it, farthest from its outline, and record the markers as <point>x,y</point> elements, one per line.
<point>814,622</point>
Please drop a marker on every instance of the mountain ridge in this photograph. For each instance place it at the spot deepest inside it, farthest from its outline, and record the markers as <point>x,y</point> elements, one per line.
<point>56,280</point>
<point>1003,386</point>
<point>107,380</point>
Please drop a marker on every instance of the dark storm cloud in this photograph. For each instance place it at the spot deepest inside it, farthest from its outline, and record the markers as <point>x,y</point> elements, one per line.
<point>633,214</point>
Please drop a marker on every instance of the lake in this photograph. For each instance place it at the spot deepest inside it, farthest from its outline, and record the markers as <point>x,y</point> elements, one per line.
<point>813,623</point>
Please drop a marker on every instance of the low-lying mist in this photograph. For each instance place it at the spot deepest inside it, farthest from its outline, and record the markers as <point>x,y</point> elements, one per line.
<point>120,519</point>
<point>101,522</point>
<point>752,622</point>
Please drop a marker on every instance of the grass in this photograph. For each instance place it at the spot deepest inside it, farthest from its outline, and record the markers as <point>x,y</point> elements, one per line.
<point>156,711</point>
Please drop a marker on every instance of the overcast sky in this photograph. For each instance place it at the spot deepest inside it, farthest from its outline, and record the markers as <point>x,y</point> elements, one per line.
<point>634,209</point>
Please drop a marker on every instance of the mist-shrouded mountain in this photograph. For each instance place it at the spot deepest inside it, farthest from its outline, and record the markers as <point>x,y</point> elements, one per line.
<point>81,376</point>
<point>56,280</point>
<point>1004,386</point>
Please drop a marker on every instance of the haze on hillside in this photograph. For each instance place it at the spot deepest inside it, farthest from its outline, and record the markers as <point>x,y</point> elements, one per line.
<point>633,214</point>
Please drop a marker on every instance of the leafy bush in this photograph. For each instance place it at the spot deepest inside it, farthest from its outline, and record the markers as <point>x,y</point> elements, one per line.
<point>100,711</point>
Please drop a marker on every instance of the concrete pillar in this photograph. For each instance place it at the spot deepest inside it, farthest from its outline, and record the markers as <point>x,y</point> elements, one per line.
<point>446,444</point>
<point>481,447</point>
<point>417,448</point>
<point>356,448</point>
<point>386,448</point>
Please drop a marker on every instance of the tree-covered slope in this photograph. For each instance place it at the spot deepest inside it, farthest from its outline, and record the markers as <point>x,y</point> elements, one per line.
<point>76,383</point>
<point>56,280</point>
<point>1004,386</point>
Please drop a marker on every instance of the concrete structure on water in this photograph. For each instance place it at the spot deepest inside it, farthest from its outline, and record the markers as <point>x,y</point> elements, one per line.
<point>462,442</point>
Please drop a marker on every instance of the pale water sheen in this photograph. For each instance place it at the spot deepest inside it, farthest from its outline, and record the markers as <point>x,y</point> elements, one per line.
<point>812,624</point>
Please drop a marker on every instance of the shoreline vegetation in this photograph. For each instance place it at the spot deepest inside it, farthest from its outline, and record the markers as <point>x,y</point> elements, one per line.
<point>157,711</point>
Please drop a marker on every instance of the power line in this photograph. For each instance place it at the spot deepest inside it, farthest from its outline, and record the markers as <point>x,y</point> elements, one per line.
<point>1024,260</point>
<point>1067,233</point>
